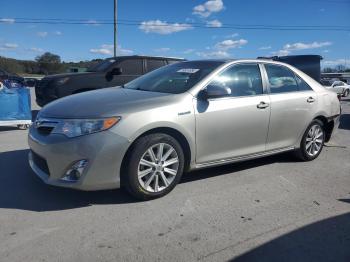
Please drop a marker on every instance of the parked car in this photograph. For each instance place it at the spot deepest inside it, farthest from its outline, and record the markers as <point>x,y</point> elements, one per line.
<point>110,72</point>
<point>4,75</point>
<point>185,116</point>
<point>338,87</point>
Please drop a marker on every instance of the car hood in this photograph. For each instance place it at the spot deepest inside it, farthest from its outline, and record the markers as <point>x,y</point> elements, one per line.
<point>105,103</point>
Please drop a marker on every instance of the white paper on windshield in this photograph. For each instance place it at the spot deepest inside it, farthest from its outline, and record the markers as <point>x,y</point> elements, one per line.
<point>188,70</point>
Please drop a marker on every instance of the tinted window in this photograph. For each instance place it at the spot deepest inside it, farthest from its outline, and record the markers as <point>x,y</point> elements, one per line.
<point>174,79</point>
<point>172,62</point>
<point>131,67</point>
<point>303,86</point>
<point>154,64</point>
<point>281,79</point>
<point>243,80</point>
<point>102,66</point>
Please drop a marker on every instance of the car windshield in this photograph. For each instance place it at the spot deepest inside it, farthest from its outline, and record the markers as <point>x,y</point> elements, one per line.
<point>101,67</point>
<point>174,79</point>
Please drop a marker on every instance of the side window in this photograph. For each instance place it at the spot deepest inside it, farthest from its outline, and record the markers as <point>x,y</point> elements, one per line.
<point>131,67</point>
<point>303,86</point>
<point>153,64</point>
<point>281,79</point>
<point>242,79</point>
<point>170,62</point>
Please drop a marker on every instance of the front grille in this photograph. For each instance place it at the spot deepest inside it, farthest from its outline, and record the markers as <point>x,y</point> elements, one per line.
<point>41,163</point>
<point>45,130</point>
<point>45,126</point>
<point>40,86</point>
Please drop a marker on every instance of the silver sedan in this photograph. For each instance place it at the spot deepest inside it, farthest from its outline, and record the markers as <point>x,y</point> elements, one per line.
<point>181,117</point>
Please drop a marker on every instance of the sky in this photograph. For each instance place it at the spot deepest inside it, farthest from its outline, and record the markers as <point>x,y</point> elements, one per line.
<point>193,29</point>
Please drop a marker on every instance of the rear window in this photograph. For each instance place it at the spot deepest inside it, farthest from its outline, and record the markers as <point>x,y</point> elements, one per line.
<point>281,79</point>
<point>153,64</point>
<point>131,67</point>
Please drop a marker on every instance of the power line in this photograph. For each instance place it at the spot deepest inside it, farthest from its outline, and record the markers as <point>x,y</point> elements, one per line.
<point>123,22</point>
<point>108,21</point>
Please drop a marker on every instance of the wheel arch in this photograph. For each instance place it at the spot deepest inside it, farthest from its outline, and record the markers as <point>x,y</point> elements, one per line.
<point>179,136</point>
<point>328,126</point>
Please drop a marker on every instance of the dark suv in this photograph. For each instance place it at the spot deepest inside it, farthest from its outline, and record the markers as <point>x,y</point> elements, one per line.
<point>110,72</point>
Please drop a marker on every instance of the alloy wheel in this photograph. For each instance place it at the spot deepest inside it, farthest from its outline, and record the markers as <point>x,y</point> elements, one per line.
<point>314,140</point>
<point>158,167</point>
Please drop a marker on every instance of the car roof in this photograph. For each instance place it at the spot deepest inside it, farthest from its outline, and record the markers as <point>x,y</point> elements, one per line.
<point>146,56</point>
<point>224,61</point>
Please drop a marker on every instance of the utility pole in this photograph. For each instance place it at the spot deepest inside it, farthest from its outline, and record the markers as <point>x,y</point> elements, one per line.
<point>115,28</point>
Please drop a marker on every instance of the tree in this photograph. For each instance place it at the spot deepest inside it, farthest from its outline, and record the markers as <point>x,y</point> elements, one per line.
<point>49,63</point>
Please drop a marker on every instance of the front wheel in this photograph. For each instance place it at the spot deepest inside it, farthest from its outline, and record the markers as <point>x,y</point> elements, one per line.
<point>155,166</point>
<point>312,142</point>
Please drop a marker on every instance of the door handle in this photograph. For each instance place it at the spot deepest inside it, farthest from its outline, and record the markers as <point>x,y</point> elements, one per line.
<point>310,100</point>
<point>262,105</point>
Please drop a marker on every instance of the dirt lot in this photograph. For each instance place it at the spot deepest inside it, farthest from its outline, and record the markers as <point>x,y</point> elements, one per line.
<point>272,209</point>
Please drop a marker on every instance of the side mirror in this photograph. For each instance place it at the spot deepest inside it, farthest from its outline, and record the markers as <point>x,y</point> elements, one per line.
<point>30,82</point>
<point>116,71</point>
<point>215,90</point>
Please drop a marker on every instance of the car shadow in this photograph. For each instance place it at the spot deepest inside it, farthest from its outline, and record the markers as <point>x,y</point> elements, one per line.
<point>344,121</point>
<point>21,189</point>
<point>325,240</point>
<point>236,167</point>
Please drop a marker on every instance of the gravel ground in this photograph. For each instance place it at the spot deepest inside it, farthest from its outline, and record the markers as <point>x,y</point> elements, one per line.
<point>271,209</point>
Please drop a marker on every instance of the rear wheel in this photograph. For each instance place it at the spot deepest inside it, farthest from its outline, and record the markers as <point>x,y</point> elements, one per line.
<point>312,142</point>
<point>155,166</point>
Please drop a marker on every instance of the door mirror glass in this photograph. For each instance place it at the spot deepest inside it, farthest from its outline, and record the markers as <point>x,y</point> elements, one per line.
<point>216,90</point>
<point>117,71</point>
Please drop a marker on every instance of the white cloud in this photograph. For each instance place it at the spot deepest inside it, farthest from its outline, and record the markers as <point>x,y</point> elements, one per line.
<point>57,33</point>
<point>265,47</point>
<point>336,62</point>
<point>188,51</point>
<point>162,49</point>
<point>163,28</point>
<point>302,46</point>
<point>214,54</point>
<point>42,34</point>
<point>214,23</point>
<point>10,46</point>
<point>92,22</point>
<point>281,52</point>
<point>7,20</point>
<point>209,7</point>
<point>36,49</point>
<point>229,44</point>
<point>107,49</point>
<point>232,35</point>
<point>289,48</point>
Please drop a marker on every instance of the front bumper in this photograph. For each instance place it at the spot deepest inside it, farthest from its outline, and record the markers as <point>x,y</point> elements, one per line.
<point>56,153</point>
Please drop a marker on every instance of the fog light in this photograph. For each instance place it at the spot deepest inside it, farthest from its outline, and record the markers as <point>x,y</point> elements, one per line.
<point>75,171</point>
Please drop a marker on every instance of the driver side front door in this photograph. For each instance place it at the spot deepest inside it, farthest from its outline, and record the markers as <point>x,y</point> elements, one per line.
<point>237,125</point>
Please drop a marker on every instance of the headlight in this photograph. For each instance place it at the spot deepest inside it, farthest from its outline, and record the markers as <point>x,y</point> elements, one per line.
<point>80,127</point>
<point>62,81</point>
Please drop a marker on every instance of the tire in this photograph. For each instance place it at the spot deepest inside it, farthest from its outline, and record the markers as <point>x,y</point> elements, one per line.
<point>147,177</point>
<point>346,93</point>
<point>312,142</point>
<point>23,126</point>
